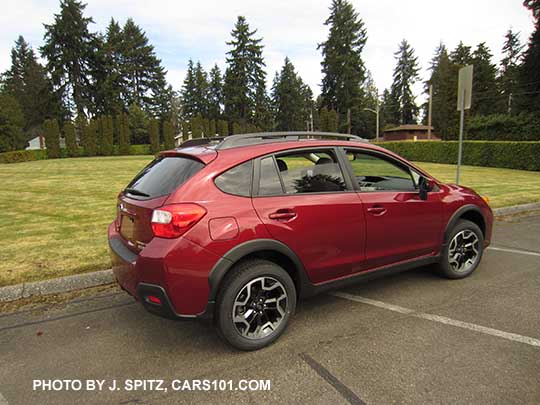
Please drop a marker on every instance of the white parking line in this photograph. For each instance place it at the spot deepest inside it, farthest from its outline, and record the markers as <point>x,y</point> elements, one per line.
<point>518,251</point>
<point>441,319</point>
<point>3,401</point>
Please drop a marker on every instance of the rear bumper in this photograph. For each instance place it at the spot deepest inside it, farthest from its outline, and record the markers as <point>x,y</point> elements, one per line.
<point>144,275</point>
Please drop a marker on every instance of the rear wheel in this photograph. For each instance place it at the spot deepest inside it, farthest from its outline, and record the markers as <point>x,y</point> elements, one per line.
<point>254,305</point>
<point>463,251</point>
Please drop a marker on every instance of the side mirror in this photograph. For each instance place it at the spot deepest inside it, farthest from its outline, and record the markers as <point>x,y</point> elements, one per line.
<point>425,185</point>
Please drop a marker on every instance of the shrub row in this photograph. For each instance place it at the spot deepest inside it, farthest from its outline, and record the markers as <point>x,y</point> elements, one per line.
<point>41,154</point>
<point>503,127</point>
<point>510,155</point>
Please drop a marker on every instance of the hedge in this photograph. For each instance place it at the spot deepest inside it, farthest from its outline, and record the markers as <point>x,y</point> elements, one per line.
<point>41,154</point>
<point>510,155</point>
<point>504,127</point>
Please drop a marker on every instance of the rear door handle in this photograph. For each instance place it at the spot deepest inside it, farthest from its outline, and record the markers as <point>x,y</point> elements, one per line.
<point>377,210</point>
<point>284,214</point>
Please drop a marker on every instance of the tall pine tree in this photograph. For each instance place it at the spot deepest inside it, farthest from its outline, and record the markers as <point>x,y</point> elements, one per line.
<point>70,49</point>
<point>342,66</point>
<point>244,88</point>
<point>215,94</point>
<point>289,99</point>
<point>27,81</point>
<point>405,76</point>
<point>485,92</point>
<point>509,71</point>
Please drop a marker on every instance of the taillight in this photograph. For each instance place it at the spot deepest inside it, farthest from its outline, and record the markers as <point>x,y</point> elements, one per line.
<point>172,221</point>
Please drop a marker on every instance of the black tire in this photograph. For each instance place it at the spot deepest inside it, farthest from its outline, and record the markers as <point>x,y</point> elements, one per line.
<point>447,267</point>
<point>237,281</point>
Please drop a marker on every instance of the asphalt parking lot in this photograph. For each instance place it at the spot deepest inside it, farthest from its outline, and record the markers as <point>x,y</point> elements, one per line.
<point>408,338</point>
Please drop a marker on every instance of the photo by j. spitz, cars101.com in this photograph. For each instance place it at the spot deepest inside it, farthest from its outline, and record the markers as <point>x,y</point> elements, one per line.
<point>239,228</point>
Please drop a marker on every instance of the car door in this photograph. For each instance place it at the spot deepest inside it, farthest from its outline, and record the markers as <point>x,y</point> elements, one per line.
<point>399,224</point>
<point>305,202</point>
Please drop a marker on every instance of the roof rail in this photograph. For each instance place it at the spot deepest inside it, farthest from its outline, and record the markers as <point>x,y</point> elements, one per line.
<point>231,141</point>
<point>201,141</point>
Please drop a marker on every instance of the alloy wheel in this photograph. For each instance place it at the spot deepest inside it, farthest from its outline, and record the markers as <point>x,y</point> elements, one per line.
<point>463,251</point>
<point>259,307</point>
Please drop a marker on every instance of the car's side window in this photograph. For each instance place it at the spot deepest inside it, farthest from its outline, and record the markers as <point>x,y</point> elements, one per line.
<point>377,173</point>
<point>310,172</point>
<point>236,180</point>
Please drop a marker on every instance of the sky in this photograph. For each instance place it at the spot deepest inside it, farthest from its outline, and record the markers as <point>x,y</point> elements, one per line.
<point>181,29</point>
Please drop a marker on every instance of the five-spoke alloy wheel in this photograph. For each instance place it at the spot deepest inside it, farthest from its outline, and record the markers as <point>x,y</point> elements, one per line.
<point>463,250</point>
<point>255,305</point>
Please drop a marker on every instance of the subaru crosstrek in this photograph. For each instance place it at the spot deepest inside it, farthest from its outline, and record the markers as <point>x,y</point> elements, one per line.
<point>239,228</point>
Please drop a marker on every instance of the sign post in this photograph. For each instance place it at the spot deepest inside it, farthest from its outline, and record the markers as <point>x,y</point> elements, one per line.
<point>463,103</point>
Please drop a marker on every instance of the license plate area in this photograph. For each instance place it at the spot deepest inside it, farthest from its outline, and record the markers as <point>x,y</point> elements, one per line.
<point>127,227</point>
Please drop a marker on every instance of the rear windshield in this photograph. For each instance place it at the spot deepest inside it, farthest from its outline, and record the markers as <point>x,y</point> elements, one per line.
<point>162,177</point>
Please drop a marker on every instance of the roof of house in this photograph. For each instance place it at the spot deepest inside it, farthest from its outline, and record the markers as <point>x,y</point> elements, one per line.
<point>409,127</point>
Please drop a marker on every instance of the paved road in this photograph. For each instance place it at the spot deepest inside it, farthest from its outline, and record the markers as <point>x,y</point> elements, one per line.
<point>408,338</point>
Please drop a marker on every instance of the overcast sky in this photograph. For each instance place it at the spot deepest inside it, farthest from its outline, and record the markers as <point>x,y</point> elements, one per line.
<point>198,29</point>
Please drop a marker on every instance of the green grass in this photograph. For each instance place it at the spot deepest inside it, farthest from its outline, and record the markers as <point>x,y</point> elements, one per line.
<point>54,213</point>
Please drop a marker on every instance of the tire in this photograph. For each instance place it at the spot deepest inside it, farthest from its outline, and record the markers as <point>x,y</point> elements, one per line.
<point>464,241</point>
<point>243,291</point>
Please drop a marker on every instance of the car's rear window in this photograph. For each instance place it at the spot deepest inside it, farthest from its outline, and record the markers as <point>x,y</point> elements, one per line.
<point>163,176</point>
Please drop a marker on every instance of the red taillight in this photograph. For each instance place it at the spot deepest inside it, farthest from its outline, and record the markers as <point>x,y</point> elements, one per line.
<point>171,221</point>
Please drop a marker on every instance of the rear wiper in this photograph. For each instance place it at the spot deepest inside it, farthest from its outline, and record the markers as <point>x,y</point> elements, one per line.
<point>134,191</point>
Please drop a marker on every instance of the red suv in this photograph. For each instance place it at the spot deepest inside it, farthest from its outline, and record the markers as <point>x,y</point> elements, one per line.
<point>238,228</point>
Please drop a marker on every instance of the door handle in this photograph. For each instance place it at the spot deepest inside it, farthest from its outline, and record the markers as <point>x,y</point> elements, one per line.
<point>284,214</point>
<point>377,210</point>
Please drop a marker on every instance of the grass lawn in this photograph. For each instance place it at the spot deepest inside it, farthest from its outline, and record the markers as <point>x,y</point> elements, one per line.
<point>54,213</point>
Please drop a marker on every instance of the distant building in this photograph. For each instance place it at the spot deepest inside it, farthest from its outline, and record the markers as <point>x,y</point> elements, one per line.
<point>409,132</point>
<point>37,142</point>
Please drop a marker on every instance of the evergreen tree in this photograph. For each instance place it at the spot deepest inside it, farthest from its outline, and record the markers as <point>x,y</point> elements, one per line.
<point>27,81</point>
<point>70,49</point>
<point>71,139</point>
<point>90,137</point>
<point>11,123</point>
<point>288,98</point>
<point>138,125</point>
<point>112,87</point>
<point>342,66</point>
<point>368,120</point>
<point>244,87</point>
<point>212,128</point>
<point>153,129</point>
<point>201,90</point>
<point>124,140</point>
<point>223,127</point>
<point>405,75</point>
<point>196,126</point>
<point>186,129</point>
<point>509,73</point>
<point>388,114</point>
<point>168,135</point>
<point>485,93</point>
<point>187,94</point>
<point>215,93</point>
<point>144,76</point>
<point>529,77</point>
<point>52,138</point>
<point>106,137</point>
<point>444,81</point>
<point>329,120</point>
<point>461,56</point>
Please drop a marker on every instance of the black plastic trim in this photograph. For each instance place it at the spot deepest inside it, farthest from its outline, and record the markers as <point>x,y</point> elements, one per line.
<point>309,289</point>
<point>457,215</point>
<point>121,250</point>
<point>225,263</point>
<point>166,310</point>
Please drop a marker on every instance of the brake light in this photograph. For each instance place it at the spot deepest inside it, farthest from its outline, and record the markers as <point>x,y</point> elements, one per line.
<point>172,221</point>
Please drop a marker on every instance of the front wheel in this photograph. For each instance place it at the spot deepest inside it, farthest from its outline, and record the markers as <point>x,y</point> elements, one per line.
<point>254,304</point>
<point>463,250</point>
